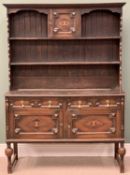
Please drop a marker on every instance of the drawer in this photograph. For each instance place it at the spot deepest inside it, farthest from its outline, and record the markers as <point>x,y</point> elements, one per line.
<point>94,118</point>
<point>35,103</point>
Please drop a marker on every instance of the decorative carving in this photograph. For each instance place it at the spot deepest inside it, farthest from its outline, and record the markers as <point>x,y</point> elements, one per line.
<point>34,104</point>
<point>56,29</point>
<point>56,115</point>
<point>17,116</point>
<point>73,14</point>
<point>74,116</point>
<point>95,102</point>
<point>55,14</point>
<point>111,10</point>
<point>55,130</point>
<point>72,29</point>
<point>39,10</point>
<point>94,123</point>
<point>36,123</point>
<point>112,115</point>
<point>112,130</point>
<point>74,130</point>
<point>65,23</point>
<point>17,130</point>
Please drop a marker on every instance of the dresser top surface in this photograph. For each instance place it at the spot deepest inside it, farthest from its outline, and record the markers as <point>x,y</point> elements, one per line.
<point>63,93</point>
<point>64,5</point>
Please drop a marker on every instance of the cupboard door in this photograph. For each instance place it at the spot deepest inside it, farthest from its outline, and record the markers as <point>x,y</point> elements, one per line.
<point>86,121</point>
<point>36,120</point>
<point>64,23</point>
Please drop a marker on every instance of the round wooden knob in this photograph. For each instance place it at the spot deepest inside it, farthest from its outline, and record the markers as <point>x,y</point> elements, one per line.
<point>8,151</point>
<point>122,151</point>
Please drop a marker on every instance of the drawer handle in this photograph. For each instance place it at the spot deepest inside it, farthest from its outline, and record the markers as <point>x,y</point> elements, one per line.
<point>17,130</point>
<point>112,130</point>
<point>55,130</point>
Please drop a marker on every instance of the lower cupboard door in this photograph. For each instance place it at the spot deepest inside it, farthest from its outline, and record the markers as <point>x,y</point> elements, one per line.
<point>93,122</point>
<point>37,124</point>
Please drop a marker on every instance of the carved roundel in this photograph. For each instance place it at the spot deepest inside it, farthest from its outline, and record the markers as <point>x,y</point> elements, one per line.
<point>94,123</point>
<point>63,23</point>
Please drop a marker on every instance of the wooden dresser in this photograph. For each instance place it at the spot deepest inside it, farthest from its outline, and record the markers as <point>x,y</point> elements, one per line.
<point>65,76</point>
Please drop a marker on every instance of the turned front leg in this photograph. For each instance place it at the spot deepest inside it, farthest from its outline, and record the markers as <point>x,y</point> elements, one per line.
<point>9,152</point>
<point>121,152</point>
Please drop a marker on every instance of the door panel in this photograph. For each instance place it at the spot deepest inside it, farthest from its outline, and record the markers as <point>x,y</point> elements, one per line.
<point>89,120</point>
<point>33,119</point>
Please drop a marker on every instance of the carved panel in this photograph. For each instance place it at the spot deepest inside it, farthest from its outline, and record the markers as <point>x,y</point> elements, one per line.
<point>64,23</point>
<point>93,124</point>
<point>36,123</point>
<point>94,117</point>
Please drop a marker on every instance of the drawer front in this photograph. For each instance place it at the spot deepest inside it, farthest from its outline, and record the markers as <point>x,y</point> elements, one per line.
<point>94,118</point>
<point>36,119</point>
<point>64,23</point>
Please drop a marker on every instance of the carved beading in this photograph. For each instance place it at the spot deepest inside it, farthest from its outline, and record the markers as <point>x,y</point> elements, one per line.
<point>120,52</point>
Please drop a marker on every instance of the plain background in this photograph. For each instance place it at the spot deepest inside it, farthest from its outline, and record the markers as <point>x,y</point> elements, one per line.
<point>4,73</point>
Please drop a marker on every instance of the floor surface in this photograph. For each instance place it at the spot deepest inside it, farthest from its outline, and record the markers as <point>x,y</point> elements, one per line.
<point>66,166</point>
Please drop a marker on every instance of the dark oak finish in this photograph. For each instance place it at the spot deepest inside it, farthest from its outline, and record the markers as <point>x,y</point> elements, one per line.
<point>65,76</point>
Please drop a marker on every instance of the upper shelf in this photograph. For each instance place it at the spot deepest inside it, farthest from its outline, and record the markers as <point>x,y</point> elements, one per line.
<point>77,38</point>
<point>65,63</point>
